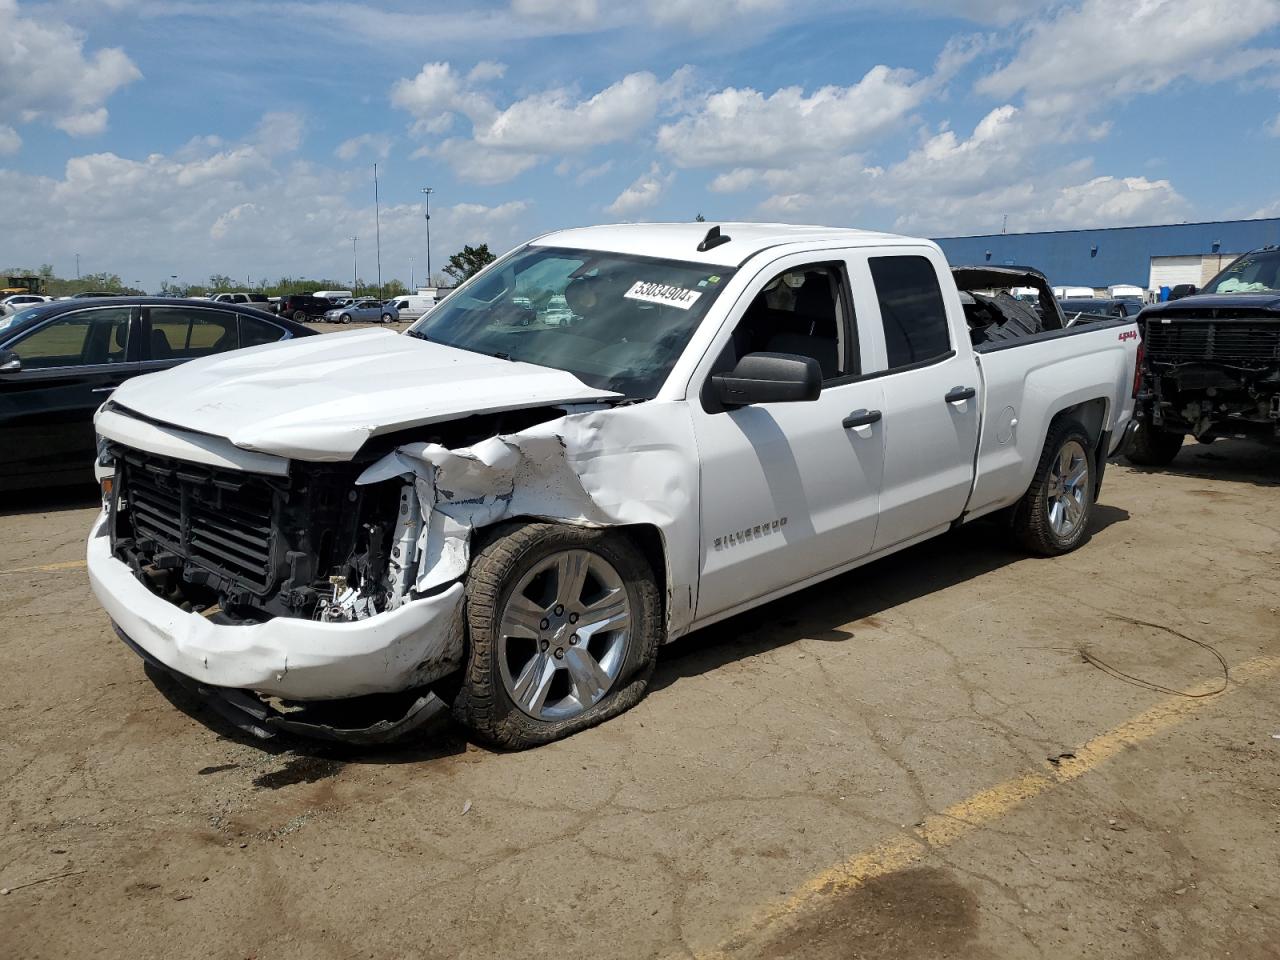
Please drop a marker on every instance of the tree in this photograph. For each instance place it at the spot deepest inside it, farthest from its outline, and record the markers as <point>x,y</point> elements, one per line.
<point>699,219</point>
<point>220,282</point>
<point>468,261</point>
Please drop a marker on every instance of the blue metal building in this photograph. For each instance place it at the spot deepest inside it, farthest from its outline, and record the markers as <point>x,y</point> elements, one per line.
<point>1114,255</point>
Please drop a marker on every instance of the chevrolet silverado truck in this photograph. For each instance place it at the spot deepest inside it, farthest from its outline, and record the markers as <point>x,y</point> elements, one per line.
<point>511,512</point>
<point>1211,362</point>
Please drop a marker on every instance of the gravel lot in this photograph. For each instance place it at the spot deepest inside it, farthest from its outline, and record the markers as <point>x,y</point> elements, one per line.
<point>862,770</point>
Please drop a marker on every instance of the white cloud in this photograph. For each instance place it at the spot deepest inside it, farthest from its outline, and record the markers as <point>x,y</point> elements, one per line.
<point>474,163</point>
<point>377,144</point>
<point>10,142</point>
<point>45,72</point>
<point>646,191</point>
<point>85,124</point>
<point>506,141</point>
<point>1273,127</point>
<point>557,11</point>
<point>705,14</point>
<point>745,128</point>
<point>1101,49</point>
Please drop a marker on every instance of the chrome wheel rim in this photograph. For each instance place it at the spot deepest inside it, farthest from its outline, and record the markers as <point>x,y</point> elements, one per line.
<point>1066,494</point>
<point>563,635</point>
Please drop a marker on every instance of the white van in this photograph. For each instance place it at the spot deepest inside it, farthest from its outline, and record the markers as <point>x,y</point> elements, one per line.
<point>413,305</point>
<point>333,294</point>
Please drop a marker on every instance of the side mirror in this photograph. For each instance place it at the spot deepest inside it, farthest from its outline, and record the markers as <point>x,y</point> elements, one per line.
<point>10,362</point>
<point>1183,290</point>
<point>769,378</point>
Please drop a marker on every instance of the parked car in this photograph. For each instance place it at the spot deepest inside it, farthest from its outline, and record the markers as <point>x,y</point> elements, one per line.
<point>20,301</point>
<point>412,306</point>
<point>1211,362</point>
<point>334,295</point>
<point>713,429</point>
<point>59,361</point>
<point>303,306</point>
<point>1099,307</point>
<point>258,301</point>
<point>367,310</point>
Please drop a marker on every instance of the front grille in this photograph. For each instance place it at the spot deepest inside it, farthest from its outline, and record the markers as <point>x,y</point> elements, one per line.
<point>1188,340</point>
<point>220,520</point>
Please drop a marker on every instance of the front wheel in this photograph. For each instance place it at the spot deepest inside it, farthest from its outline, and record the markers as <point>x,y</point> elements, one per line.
<point>345,318</point>
<point>563,625</point>
<point>1152,447</point>
<point>1053,516</point>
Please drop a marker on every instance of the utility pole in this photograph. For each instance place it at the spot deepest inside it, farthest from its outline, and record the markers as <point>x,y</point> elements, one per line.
<point>77,266</point>
<point>355,268</point>
<point>426,214</point>
<point>411,286</point>
<point>377,226</point>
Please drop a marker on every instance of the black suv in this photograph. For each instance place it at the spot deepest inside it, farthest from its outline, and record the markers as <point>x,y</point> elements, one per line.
<point>303,306</point>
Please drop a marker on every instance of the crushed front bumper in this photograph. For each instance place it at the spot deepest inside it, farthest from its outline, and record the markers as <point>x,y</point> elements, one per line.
<point>292,659</point>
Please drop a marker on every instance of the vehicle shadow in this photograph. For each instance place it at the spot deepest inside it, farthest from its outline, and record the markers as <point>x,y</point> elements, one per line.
<point>823,611</point>
<point>51,500</point>
<point>1240,461</point>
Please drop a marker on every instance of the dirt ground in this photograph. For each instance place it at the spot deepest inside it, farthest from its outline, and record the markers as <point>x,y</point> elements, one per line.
<point>915,760</point>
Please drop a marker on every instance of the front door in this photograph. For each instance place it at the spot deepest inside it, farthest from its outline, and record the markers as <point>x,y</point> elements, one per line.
<point>70,366</point>
<point>789,490</point>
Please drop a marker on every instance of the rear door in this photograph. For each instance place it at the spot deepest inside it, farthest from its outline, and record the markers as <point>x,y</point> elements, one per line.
<point>931,402</point>
<point>70,366</point>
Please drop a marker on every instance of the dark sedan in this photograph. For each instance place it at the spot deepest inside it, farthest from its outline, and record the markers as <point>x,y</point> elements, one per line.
<point>59,361</point>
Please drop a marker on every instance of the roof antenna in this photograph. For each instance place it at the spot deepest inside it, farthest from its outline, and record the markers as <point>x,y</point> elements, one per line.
<point>713,239</point>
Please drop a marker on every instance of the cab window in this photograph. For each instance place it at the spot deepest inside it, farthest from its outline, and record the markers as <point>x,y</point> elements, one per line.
<point>911,309</point>
<point>183,333</point>
<point>254,332</point>
<point>805,310</point>
<point>83,338</point>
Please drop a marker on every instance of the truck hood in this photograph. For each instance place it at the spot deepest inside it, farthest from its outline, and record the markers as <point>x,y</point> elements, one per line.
<point>321,398</point>
<point>1207,305</point>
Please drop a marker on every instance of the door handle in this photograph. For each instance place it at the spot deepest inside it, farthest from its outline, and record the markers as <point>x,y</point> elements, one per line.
<point>861,418</point>
<point>960,393</point>
<point>102,389</point>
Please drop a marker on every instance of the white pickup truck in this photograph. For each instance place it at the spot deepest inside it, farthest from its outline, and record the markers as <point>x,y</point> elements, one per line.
<point>514,511</point>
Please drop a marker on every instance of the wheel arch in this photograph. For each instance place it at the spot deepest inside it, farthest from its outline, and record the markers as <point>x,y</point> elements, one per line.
<point>645,537</point>
<point>1092,415</point>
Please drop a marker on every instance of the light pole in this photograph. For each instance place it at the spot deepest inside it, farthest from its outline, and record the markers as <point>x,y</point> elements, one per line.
<point>355,288</point>
<point>377,226</point>
<point>411,286</point>
<point>426,215</point>
<point>77,266</point>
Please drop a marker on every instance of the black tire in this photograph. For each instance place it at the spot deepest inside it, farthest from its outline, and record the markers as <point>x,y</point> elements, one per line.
<point>482,702</point>
<point>387,318</point>
<point>345,318</point>
<point>300,316</point>
<point>1152,447</point>
<point>1032,525</point>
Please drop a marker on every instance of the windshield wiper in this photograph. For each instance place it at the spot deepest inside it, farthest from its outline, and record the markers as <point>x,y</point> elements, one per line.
<point>417,334</point>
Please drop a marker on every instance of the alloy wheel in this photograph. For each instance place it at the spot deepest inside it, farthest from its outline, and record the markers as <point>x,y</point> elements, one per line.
<point>1067,491</point>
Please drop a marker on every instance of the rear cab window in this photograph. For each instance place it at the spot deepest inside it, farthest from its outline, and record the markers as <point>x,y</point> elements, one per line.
<point>912,311</point>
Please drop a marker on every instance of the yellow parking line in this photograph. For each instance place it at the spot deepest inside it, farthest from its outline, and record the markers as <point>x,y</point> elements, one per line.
<point>969,815</point>
<point>48,567</point>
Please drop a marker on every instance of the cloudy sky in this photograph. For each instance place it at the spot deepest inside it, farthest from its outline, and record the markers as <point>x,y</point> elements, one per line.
<point>162,137</point>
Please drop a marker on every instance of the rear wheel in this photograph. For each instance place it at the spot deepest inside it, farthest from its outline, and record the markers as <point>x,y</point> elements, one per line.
<point>300,316</point>
<point>563,625</point>
<point>387,318</point>
<point>1053,516</point>
<point>1152,447</point>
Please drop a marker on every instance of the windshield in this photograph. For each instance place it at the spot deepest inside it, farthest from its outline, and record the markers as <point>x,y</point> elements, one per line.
<point>617,322</point>
<point>1252,273</point>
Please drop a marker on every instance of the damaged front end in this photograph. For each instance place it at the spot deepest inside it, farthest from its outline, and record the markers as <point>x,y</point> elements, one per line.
<point>277,590</point>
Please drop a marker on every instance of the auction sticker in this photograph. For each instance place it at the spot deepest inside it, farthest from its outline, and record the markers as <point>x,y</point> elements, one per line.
<point>663,294</point>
